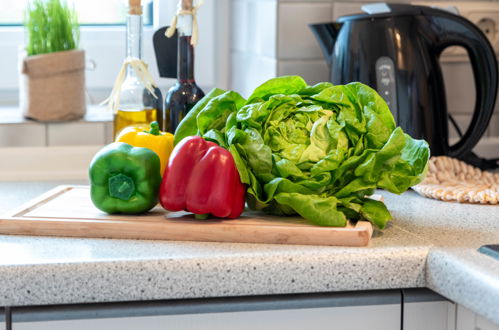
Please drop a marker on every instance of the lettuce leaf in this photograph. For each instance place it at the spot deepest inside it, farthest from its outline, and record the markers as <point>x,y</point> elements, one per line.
<point>188,125</point>
<point>316,151</point>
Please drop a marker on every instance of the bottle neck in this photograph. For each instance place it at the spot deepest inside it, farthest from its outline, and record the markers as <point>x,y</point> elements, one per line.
<point>185,60</point>
<point>134,30</point>
<point>185,56</point>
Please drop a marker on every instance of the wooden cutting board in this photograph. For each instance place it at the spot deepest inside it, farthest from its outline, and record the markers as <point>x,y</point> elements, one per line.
<point>68,211</point>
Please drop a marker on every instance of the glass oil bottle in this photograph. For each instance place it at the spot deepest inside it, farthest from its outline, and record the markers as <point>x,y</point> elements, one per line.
<point>137,105</point>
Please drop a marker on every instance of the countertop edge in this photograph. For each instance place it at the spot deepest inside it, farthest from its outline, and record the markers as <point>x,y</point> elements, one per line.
<point>158,279</point>
<point>466,277</point>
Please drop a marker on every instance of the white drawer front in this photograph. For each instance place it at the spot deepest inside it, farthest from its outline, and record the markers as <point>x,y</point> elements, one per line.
<point>374,317</point>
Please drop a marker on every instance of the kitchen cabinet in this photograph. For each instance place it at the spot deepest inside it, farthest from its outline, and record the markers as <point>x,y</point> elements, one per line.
<point>484,324</point>
<point>423,306</point>
<point>347,311</point>
<point>465,319</point>
<point>468,320</point>
<point>320,318</point>
<point>3,324</point>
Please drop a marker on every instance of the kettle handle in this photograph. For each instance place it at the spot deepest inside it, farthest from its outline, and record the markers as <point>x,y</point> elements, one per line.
<point>458,31</point>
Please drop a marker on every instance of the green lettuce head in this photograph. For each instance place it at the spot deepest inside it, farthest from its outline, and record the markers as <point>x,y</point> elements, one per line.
<point>313,150</point>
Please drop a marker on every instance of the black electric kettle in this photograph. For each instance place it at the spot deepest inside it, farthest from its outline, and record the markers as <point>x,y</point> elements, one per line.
<point>396,51</point>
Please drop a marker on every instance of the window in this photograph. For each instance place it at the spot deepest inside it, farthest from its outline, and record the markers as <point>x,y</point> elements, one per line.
<point>90,12</point>
<point>103,39</point>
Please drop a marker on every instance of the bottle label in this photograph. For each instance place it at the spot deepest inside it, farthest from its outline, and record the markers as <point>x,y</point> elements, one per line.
<point>184,25</point>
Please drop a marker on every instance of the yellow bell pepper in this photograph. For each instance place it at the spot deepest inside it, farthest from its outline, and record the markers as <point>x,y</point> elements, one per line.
<point>159,142</point>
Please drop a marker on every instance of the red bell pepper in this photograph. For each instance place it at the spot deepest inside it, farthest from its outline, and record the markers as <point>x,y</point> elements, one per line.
<point>202,178</point>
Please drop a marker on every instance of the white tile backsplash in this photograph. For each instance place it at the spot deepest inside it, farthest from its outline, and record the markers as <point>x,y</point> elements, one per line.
<point>295,39</point>
<point>249,71</point>
<point>264,29</point>
<point>346,8</point>
<point>77,133</point>
<point>108,132</point>
<point>240,33</point>
<point>494,125</point>
<point>459,87</point>
<point>462,122</point>
<point>254,25</point>
<point>488,148</point>
<point>313,71</point>
<point>17,131</point>
<point>23,135</point>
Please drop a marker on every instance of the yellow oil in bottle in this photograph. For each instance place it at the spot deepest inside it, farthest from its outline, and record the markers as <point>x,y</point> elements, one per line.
<point>124,118</point>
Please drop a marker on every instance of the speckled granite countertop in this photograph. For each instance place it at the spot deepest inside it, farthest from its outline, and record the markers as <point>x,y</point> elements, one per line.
<point>430,244</point>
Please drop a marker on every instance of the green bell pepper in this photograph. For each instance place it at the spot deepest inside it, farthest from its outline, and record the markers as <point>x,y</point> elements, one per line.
<point>124,179</point>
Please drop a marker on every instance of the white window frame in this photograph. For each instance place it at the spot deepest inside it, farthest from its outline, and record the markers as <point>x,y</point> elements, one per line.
<point>105,46</point>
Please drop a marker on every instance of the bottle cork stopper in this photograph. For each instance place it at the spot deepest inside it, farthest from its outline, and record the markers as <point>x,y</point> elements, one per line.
<point>134,7</point>
<point>186,4</point>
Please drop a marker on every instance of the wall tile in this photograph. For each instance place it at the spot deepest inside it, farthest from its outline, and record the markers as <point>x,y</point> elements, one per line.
<point>239,24</point>
<point>346,8</point>
<point>459,87</point>
<point>313,71</point>
<point>248,71</point>
<point>494,125</point>
<point>488,140</point>
<point>295,39</point>
<point>72,134</point>
<point>462,121</point>
<point>264,28</point>
<point>254,27</point>
<point>23,135</point>
<point>108,132</point>
<point>488,148</point>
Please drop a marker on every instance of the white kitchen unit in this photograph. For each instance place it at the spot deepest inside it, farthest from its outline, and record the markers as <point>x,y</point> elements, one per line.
<point>423,306</point>
<point>347,311</point>
<point>484,324</point>
<point>373,317</point>
<point>468,320</point>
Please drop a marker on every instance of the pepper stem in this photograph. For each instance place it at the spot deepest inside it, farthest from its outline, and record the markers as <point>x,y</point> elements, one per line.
<point>154,128</point>
<point>203,216</point>
<point>121,186</point>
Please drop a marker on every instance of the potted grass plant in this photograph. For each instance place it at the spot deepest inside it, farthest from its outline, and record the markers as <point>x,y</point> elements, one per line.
<point>52,84</point>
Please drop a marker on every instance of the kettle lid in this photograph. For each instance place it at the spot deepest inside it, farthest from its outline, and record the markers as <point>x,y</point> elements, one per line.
<point>386,10</point>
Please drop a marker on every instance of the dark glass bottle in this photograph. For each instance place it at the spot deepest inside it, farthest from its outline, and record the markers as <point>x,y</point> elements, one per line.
<point>185,93</point>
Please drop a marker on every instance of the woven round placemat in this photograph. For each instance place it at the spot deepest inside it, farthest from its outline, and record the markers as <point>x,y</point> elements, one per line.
<point>450,179</point>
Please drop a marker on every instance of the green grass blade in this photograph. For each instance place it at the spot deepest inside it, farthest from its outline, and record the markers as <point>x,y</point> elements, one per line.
<point>51,26</point>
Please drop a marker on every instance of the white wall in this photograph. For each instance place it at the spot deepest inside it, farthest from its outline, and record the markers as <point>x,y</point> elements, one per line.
<point>253,43</point>
<point>296,51</point>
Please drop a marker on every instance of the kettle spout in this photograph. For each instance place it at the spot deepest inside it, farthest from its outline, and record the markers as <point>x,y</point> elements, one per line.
<point>326,34</point>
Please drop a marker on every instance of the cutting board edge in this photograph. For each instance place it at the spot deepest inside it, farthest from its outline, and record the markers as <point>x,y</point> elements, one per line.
<point>362,233</point>
<point>359,237</point>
